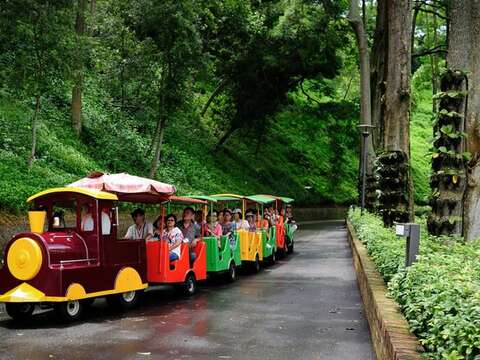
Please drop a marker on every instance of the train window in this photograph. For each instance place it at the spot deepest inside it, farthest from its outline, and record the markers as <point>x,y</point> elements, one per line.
<point>64,215</point>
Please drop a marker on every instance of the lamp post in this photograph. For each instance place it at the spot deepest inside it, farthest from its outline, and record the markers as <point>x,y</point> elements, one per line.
<point>365,131</point>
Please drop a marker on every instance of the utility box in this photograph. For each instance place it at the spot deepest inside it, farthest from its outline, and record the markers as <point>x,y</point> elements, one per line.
<point>412,233</point>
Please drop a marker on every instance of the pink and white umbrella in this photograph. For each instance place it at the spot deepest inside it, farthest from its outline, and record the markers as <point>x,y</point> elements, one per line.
<point>127,187</point>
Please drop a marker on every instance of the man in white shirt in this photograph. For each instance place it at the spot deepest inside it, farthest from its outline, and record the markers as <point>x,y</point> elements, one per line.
<point>140,229</point>
<point>87,223</point>
<point>106,222</point>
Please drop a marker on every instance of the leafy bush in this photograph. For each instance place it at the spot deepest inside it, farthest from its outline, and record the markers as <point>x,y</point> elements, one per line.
<point>439,294</point>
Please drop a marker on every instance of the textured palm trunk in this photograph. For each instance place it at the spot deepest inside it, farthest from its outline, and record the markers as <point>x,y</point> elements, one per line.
<point>456,183</point>
<point>396,200</point>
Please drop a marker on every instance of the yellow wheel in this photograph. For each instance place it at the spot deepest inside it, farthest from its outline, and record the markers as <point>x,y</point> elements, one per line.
<point>24,259</point>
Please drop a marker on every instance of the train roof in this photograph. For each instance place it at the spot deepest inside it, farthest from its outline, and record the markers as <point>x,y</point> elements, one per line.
<point>228,197</point>
<point>103,195</point>
<point>204,197</point>
<point>284,199</point>
<point>187,200</point>
<point>261,199</point>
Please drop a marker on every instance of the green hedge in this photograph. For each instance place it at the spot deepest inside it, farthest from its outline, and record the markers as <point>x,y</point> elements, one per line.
<point>439,294</point>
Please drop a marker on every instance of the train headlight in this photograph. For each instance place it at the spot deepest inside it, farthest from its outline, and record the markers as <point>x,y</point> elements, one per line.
<point>24,259</point>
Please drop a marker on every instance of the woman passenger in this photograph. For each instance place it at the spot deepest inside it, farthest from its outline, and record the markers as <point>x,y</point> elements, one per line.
<point>174,236</point>
<point>227,226</point>
<point>214,228</point>
<point>220,217</point>
<point>251,222</point>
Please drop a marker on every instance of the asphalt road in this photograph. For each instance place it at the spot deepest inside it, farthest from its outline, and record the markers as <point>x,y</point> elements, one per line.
<point>305,307</point>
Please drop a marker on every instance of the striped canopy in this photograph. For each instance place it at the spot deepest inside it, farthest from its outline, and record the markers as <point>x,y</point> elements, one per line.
<point>127,187</point>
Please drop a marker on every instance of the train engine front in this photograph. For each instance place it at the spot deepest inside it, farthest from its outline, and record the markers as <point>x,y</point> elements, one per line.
<point>58,262</point>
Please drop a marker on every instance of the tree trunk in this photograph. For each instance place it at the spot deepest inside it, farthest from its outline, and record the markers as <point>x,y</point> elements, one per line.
<point>464,55</point>
<point>449,175</point>
<point>379,74</point>
<point>396,200</point>
<point>416,9</point>
<point>158,146</point>
<point>434,59</point>
<point>218,89</point>
<point>93,8</point>
<point>78,71</point>
<point>365,93</point>
<point>225,137</point>
<point>33,151</point>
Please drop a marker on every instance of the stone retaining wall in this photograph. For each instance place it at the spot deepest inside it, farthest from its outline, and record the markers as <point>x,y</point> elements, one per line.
<point>389,329</point>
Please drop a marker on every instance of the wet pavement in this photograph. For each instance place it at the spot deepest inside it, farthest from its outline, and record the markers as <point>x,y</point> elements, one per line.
<point>307,306</point>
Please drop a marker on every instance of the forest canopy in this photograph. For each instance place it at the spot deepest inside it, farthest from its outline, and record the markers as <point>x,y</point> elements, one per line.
<point>213,96</point>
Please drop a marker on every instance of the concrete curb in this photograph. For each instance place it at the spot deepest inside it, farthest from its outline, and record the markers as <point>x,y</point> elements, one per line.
<point>389,329</point>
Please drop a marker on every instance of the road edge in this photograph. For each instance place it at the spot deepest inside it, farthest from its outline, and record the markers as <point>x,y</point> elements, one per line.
<point>389,330</point>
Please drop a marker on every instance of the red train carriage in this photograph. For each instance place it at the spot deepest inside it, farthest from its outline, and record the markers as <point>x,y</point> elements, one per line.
<point>160,270</point>
<point>70,262</point>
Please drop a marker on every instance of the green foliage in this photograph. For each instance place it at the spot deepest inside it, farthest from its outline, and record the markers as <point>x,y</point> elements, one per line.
<point>439,294</point>
<point>420,133</point>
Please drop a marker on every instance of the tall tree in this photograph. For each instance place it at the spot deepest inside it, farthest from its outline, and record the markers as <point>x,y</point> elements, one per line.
<point>358,25</point>
<point>396,200</point>
<point>379,73</point>
<point>454,180</point>
<point>32,54</point>
<point>78,67</point>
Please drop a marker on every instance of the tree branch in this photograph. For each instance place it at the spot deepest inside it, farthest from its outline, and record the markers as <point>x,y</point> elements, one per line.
<point>214,94</point>
<point>306,94</point>
<point>436,50</point>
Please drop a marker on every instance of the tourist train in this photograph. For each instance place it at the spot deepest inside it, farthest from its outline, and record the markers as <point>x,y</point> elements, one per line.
<point>75,250</point>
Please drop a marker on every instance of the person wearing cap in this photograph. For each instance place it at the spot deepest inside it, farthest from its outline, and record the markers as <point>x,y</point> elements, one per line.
<point>239,223</point>
<point>251,222</point>
<point>141,229</point>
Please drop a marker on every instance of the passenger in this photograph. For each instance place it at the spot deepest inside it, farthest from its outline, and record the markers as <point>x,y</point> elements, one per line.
<point>158,225</point>
<point>266,223</point>
<point>200,224</point>
<point>59,220</point>
<point>87,218</point>
<point>190,233</point>
<point>251,222</point>
<point>220,217</point>
<point>289,218</point>
<point>174,236</point>
<point>214,228</point>
<point>106,221</point>
<point>273,217</point>
<point>240,224</point>
<point>227,226</point>
<point>141,229</point>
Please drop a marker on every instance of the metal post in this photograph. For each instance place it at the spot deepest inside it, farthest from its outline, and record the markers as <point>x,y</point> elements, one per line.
<point>364,167</point>
<point>365,134</point>
<point>413,244</point>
